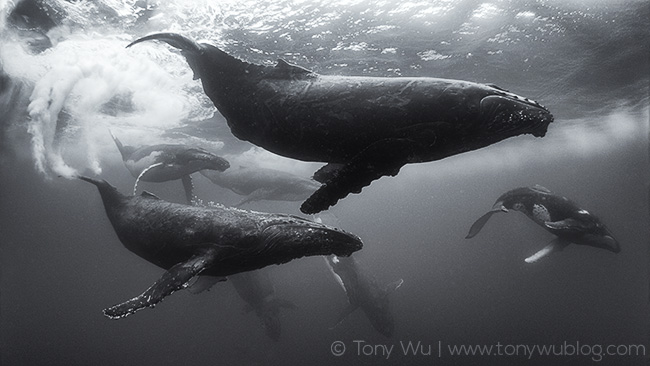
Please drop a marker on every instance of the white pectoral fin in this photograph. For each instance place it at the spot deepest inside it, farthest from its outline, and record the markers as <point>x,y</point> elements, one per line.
<point>135,186</point>
<point>567,225</point>
<point>555,245</point>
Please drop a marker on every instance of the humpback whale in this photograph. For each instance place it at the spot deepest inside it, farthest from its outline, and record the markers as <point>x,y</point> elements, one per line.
<point>188,241</point>
<point>558,215</point>
<point>165,162</point>
<point>257,290</point>
<point>364,292</point>
<point>263,184</point>
<point>362,127</point>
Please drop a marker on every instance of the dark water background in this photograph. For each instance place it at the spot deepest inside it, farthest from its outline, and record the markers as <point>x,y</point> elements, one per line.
<point>61,262</point>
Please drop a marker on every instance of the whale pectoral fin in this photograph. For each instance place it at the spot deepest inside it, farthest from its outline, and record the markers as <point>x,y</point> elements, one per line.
<point>571,225</point>
<point>144,171</point>
<point>385,157</point>
<point>172,280</point>
<point>188,186</point>
<point>200,284</point>
<point>478,224</point>
<point>555,245</point>
<point>327,172</point>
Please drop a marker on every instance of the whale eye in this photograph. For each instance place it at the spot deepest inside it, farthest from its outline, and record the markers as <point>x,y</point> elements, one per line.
<point>583,212</point>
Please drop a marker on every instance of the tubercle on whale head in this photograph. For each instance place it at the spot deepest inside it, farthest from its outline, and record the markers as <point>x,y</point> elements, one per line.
<point>504,112</point>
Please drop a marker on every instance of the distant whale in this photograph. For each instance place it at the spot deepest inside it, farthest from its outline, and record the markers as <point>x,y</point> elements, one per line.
<point>558,215</point>
<point>364,293</point>
<point>189,241</point>
<point>165,162</point>
<point>256,288</point>
<point>364,127</point>
<point>263,184</point>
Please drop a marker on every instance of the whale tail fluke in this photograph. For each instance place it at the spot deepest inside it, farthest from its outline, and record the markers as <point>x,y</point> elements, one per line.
<point>190,49</point>
<point>173,39</point>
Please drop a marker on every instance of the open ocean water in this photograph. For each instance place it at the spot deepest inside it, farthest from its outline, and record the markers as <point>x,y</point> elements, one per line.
<point>66,78</point>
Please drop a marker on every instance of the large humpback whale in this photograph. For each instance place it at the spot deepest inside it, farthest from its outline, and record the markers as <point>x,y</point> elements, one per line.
<point>256,288</point>
<point>363,127</point>
<point>558,215</point>
<point>263,184</point>
<point>165,162</point>
<point>364,293</point>
<point>189,241</point>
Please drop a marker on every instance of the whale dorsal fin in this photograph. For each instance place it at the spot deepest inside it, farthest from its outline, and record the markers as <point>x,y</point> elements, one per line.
<point>541,189</point>
<point>149,195</point>
<point>285,70</point>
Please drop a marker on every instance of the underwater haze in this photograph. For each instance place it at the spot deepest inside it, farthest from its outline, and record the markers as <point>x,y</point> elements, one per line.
<point>66,80</point>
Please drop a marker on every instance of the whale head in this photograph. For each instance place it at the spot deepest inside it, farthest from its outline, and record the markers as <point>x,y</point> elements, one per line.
<point>504,112</point>
<point>602,238</point>
<point>196,159</point>
<point>294,234</point>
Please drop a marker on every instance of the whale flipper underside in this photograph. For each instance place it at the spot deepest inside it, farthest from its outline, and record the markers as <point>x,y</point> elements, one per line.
<point>555,245</point>
<point>385,157</point>
<point>172,280</point>
<point>569,225</point>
